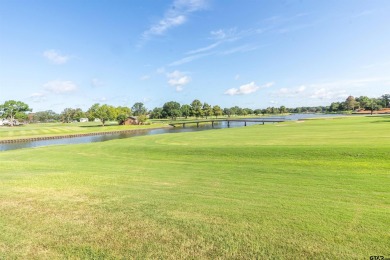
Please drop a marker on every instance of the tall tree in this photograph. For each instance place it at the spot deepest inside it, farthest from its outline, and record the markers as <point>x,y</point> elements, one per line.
<point>139,109</point>
<point>386,100</point>
<point>11,108</point>
<point>66,115</point>
<point>217,111</point>
<point>122,114</point>
<point>185,110</point>
<point>207,110</point>
<point>196,108</point>
<point>172,109</point>
<point>156,113</point>
<point>350,103</point>
<point>227,111</point>
<point>103,112</point>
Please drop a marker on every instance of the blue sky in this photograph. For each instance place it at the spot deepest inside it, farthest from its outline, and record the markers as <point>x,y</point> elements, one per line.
<point>251,53</point>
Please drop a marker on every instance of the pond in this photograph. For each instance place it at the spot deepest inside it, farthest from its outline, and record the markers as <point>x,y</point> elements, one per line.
<point>107,137</point>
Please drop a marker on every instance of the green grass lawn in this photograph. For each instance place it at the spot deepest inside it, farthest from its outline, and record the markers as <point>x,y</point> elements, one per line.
<point>59,129</point>
<point>315,189</point>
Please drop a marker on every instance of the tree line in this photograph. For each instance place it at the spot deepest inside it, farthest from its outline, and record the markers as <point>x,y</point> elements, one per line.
<point>17,110</point>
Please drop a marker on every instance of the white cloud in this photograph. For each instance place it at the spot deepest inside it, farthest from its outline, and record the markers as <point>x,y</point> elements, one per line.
<point>225,34</point>
<point>145,77</point>
<point>203,49</point>
<point>96,83</point>
<point>178,79</point>
<point>55,57</point>
<point>160,70</point>
<point>38,97</point>
<point>188,59</point>
<point>247,89</point>
<point>101,99</point>
<point>291,92</point>
<point>242,48</point>
<point>324,93</point>
<point>60,87</point>
<point>175,16</point>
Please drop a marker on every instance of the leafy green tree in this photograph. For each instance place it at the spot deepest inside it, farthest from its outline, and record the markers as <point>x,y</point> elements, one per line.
<point>156,113</point>
<point>103,112</point>
<point>386,100</point>
<point>335,106</point>
<point>227,111</point>
<point>139,109</point>
<point>45,116</point>
<point>185,110</point>
<point>235,110</point>
<point>77,114</point>
<point>142,119</point>
<point>375,104</point>
<point>350,103</point>
<point>217,111</point>
<point>66,115</point>
<point>172,109</point>
<point>92,111</point>
<point>248,111</point>
<point>363,102</point>
<point>207,110</point>
<point>122,114</point>
<point>196,108</point>
<point>12,108</point>
<point>282,109</point>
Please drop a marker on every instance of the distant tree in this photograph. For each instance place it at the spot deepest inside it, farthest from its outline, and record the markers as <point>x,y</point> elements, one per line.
<point>363,102</point>
<point>235,110</point>
<point>185,110</point>
<point>350,103</point>
<point>156,113</point>
<point>375,104</point>
<point>77,114</point>
<point>122,114</point>
<point>172,109</point>
<point>257,112</point>
<point>12,108</point>
<point>217,111</point>
<point>139,109</point>
<point>207,110</point>
<point>227,112</point>
<point>103,112</point>
<point>66,115</point>
<point>386,100</point>
<point>248,111</point>
<point>92,111</point>
<point>196,108</point>
<point>142,119</point>
<point>282,109</point>
<point>45,116</point>
<point>334,107</point>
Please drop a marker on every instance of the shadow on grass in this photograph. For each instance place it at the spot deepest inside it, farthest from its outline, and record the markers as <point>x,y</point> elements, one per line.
<point>381,121</point>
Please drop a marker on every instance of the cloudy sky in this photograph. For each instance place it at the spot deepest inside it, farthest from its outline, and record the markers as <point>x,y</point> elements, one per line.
<point>68,53</point>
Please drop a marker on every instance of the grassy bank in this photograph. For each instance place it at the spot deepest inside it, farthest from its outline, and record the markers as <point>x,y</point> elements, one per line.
<point>60,129</point>
<point>314,189</point>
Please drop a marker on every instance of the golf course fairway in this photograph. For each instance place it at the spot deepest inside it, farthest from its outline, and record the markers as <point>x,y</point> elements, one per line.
<point>313,189</point>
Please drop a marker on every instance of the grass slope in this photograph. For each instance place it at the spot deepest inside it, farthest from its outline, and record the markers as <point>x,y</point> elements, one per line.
<point>317,189</point>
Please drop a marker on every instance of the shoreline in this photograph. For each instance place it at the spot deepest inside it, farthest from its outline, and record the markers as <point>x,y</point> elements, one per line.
<point>41,138</point>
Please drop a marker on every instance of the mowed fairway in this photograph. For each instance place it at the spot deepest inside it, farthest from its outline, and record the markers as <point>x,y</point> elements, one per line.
<point>314,189</point>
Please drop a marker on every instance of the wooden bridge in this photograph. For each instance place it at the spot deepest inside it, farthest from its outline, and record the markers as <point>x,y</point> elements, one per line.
<point>245,121</point>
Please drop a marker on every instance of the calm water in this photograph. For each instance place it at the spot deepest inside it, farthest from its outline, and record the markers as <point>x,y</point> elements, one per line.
<point>107,137</point>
